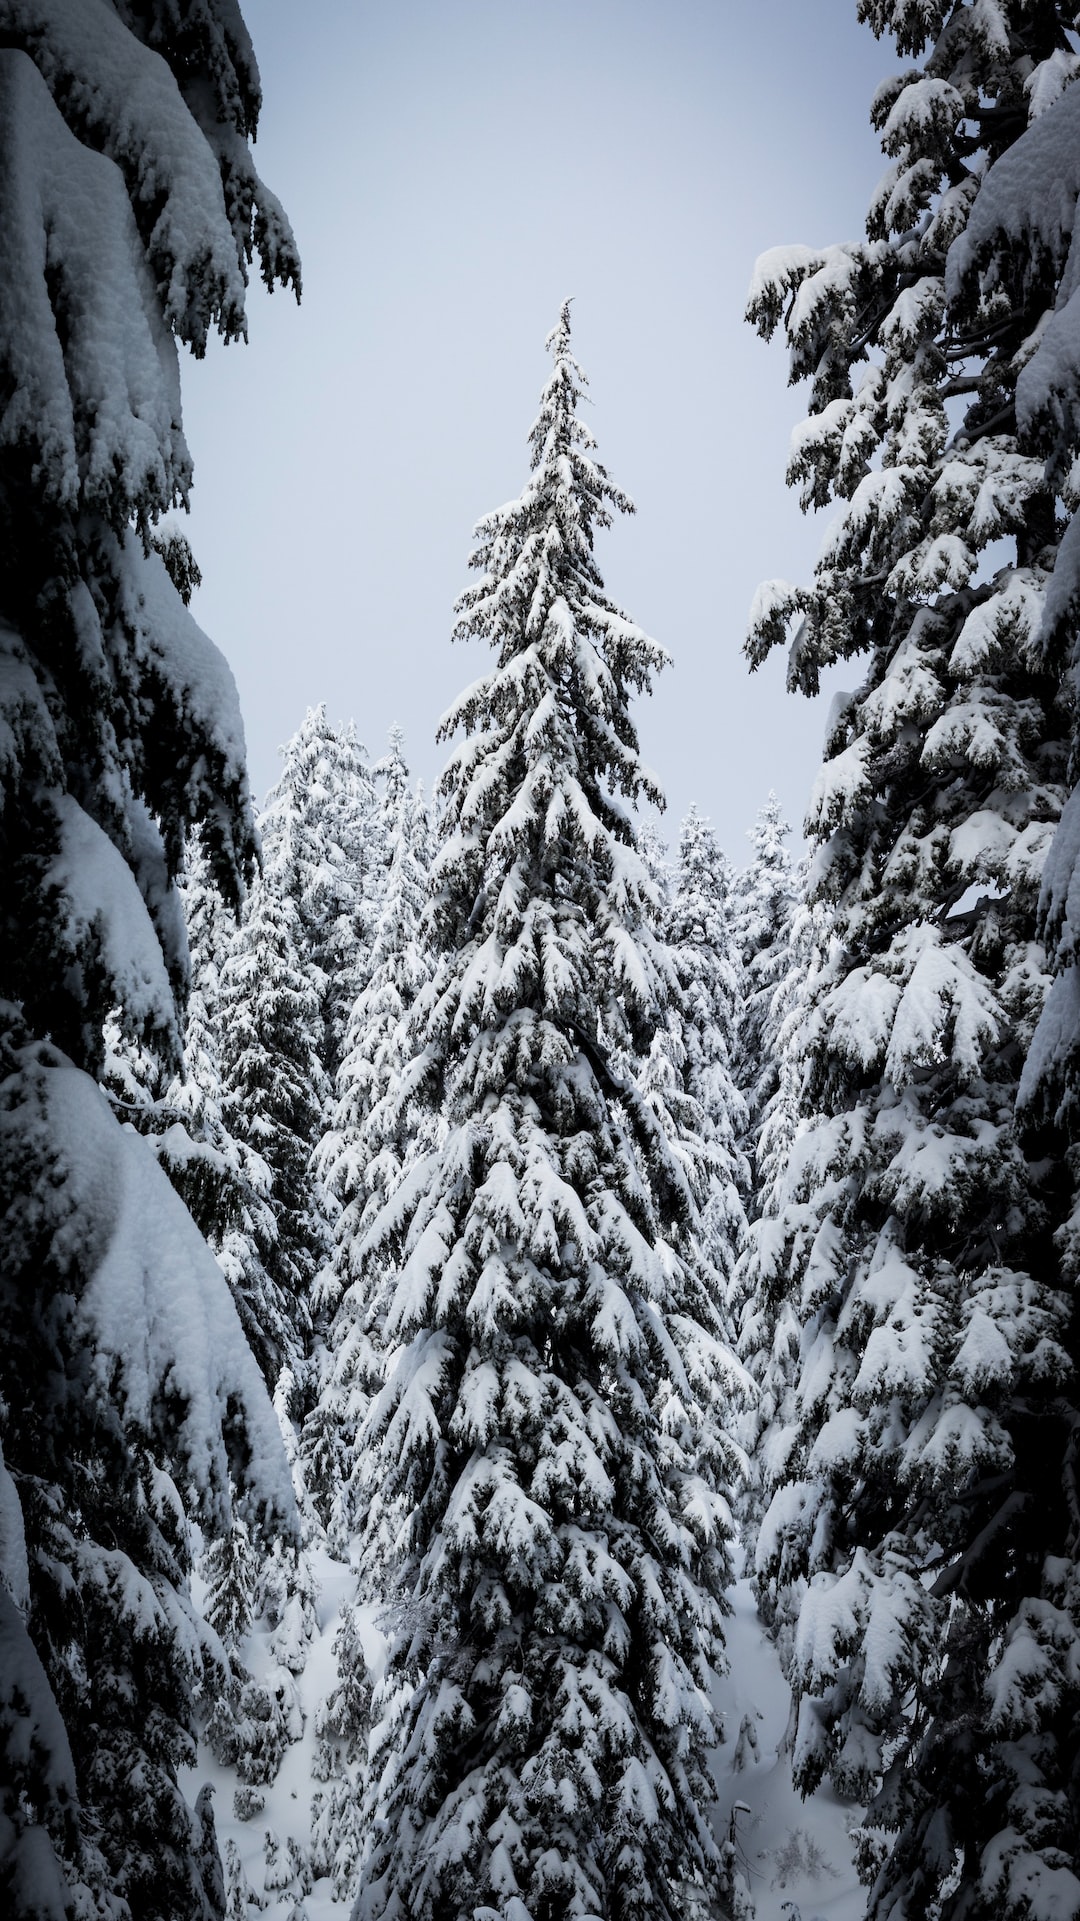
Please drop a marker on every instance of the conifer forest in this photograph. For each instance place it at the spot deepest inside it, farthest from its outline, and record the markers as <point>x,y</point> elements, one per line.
<point>540,1362</point>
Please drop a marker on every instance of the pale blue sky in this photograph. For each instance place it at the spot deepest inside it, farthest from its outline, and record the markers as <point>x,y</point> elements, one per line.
<point>453,168</point>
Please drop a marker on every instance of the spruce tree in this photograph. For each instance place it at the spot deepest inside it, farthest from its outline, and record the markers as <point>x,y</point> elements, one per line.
<point>912,1510</point>
<point>229,1570</point>
<point>774,936</point>
<point>377,1131</point>
<point>274,1095</point>
<point>701,941</point>
<point>342,1725</point>
<point>218,1178</point>
<point>363,1154</point>
<point>321,852</point>
<point>544,1449</point>
<point>764,910</point>
<point>687,1075</point>
<point>766,1308</point>
<point>131,211</point>
<point>1019,248</point>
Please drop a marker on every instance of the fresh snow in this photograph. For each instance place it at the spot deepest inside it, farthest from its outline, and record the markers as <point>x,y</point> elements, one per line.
<point>156,1307</point>
<point>288,1812</point>
<point>786,1849</point>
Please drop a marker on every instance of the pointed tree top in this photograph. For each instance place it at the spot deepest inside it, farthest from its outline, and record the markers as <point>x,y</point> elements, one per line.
<point>558,340</point>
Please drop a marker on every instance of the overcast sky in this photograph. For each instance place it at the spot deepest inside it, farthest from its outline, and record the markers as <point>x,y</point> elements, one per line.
<point>453,169</point>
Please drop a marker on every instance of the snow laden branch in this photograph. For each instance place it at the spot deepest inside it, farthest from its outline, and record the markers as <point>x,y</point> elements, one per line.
<point>130,1404</point>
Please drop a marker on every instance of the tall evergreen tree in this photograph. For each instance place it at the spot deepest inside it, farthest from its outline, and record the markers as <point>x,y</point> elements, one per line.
<point>684,1077</point>
<point>221,1178</point>
<point>766,1308</point>
<point>775,968</point>
<point>803,943</point>
<point>660,1075</point>
<point>764,911</point>
<point>274,1096</point>
<point>544,1448</point>
<point>1019,248</point>
<point>130,211</point>
<point>707,998</point>
<point>321,853</point>
<point>377,1131</point>
<point>913,1499</point>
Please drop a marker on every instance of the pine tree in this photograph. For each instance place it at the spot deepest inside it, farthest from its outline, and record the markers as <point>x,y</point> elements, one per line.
<point>273,1099</point>
<point>686,1077</point>
<point>342,1725</point>
<point>273,1246</point>
<point>377,1131</point>
<point>127,1397</point>
<point>765,1307</point>
<point>240,1897</point>
<point>774,935</point>
<point>1018,248</point>
<point>805,945</point>
<point>910,1508</point>
<point>766,902</point>
<point>218,1178</point>
<point>272,1241</point>
<point>229,1570</point>
<point>321,854</point>
<point>709,993</point>
<point>363,1154</point>
<point>542,1448</point>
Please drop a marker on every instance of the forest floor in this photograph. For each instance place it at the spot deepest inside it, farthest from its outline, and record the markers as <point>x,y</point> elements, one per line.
<point>790,1851</point>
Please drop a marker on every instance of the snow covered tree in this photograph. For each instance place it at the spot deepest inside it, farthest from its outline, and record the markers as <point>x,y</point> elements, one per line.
<point>766,898</point>
<point>705,1003</point>
<point>241,1899</point>
<point>912,1512</point>
<point>342,1725</point>
<point>274,1095</point>
<point>271,1243</point>
<point>229,1569</point>
<point>765,1308</point>
<point>685,1076</point>
<point>321,854</point>
<point>804,943</point>
<point>1019,248</point>
<point>364,1152</point>
<point>130,211</point>
<point>775,936</point>
<point>224,1184</point>
<point>545,1449</point>
<point>377,1130</point>
<point>207,1165</point>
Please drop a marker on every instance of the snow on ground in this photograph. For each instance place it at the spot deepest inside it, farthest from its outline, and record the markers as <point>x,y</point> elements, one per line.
<point>287,1812</point>
<point>791,1851</point>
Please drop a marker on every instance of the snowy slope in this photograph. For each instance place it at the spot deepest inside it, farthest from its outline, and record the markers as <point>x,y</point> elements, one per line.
<point>287,1813</point>
<point>791,1851</point>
